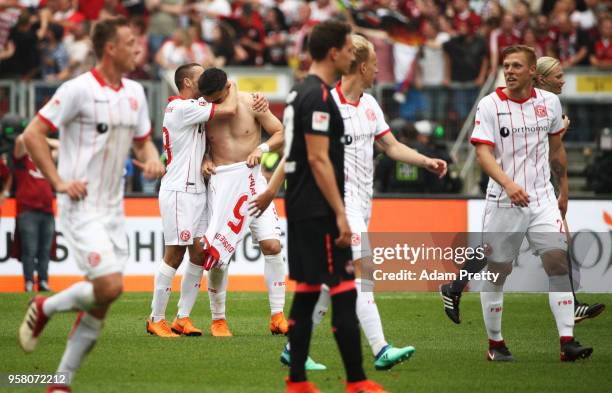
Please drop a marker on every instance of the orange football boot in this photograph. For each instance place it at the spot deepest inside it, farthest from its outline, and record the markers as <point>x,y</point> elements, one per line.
<point>160,329</point>
<point>185,326</point>
<point>219,328</point>
<point>300,387</point>
<point>365,386</point>
<point>278,324</point>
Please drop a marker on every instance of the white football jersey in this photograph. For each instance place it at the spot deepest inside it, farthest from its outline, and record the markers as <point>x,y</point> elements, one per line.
<point>185,143</point>
<point>97,125</point>
<point>518,132</point>
<point>364,122</point>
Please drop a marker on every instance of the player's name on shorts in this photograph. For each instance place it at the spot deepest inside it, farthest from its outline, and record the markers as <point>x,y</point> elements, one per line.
<point>432,275</point>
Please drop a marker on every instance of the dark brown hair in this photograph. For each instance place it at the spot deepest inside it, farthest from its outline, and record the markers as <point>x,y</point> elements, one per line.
<point>105,31</point>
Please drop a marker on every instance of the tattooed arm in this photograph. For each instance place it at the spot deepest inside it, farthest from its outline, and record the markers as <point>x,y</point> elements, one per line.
<point>558,169</point>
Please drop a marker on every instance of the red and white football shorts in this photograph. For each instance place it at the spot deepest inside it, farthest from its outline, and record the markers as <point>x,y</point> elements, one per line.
<point>184,216</point>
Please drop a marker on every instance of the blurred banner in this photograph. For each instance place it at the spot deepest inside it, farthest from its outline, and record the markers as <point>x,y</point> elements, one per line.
<point>589,221</point>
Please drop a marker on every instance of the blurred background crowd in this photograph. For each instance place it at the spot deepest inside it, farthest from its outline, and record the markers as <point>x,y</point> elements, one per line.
<point>434,56</point>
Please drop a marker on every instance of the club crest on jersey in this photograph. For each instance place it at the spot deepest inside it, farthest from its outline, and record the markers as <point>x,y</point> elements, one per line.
<point>94,259</point>
<point>370,114</point>
<point>133,103</point>
<point>540,111</point>
<point>320,121</point>
<point>185,235</point>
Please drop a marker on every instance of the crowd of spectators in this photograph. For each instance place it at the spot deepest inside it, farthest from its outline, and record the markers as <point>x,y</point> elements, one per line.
<point>425,47</point>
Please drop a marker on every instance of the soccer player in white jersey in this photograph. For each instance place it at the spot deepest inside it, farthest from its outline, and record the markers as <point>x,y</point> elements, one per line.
<point>237,141</point>
<point>517,133</point>
<point>364,127</point>
<point>99,116</point>
<point>182,198</point>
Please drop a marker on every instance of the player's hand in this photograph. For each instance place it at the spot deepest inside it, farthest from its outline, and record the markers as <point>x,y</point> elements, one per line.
<point>344,238</point>
<point>437,166</point>
<point>75,189</point>
<point>517,195</point>
<point>254,158</point>
<point>208,168</point>
<point>259,205</point>
<point>566,125</point>
<point>152,169</point>
<point>562,201</point>
<point>260,103</point>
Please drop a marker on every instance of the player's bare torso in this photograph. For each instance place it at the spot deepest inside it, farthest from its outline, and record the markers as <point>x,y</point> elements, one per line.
<point>232,140</point>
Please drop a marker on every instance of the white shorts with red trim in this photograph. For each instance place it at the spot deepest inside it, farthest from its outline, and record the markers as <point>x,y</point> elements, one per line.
<point>358,220</point>
<point>97,240</point>
<point>184,216</point>
<point>505,228</point>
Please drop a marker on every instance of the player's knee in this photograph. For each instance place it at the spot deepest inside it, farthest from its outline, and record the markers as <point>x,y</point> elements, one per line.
<point>555,263</point>
<point>270,247</point>
<point>502,270</point>
<point>110,293</point>
<point>173,256</point>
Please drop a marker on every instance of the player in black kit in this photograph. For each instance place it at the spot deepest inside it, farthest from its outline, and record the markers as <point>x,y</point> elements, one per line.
<point>318,232</point>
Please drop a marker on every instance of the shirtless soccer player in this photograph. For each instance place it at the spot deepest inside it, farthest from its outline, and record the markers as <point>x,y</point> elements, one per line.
<point>517,133</point>
<point>182,198</point>
<point>235,140</point>
<point>99,115</point>
<point>364,127</point>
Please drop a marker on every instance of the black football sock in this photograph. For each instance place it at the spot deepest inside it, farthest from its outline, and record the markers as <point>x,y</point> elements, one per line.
<point>346,331</point>
<point>300,329</point>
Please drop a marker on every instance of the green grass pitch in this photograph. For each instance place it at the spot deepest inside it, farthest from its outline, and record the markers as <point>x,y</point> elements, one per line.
<point>449,358</point>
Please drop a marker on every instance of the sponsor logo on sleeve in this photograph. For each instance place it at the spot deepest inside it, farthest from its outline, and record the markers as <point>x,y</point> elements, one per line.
<point>320,121</point>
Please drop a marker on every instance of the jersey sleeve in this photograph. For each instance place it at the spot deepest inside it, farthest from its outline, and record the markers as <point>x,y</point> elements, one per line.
<point>382,128</point>
<point>556,121</point>
<point>197,111</point>
<point>484,124</point>
<point>63,107</point>
<point>315,117</point>
<point>143,128</point>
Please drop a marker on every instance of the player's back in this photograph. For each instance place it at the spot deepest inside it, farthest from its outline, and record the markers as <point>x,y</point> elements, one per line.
<point>185,143</point>
<point>97,125</point>
<point>310,110</point>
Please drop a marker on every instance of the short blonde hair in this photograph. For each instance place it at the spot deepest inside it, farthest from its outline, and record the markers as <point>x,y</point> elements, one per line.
<point>362,51</point>
<point>545,65</point>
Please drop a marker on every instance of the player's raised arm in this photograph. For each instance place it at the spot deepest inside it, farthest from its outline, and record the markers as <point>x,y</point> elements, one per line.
<point>558,168</point>
<point>400,152</point>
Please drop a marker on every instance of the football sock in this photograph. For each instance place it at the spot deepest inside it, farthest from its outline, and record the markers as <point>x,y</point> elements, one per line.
<point>217,286</point>
<point>472,265</point>
<point>562,306</point>
<point>190,287</point>
<point>79,296</point>
<point>161,291</point>
<point>492,301</point>
<point>321,307</point>
<point>274,275</point>
<point>346,329</point>
<point>300,329</point>
<point>368,315</point>
<point>82,339</point>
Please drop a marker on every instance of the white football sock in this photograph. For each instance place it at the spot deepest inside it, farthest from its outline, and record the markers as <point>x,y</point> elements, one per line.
<point>368,315</point>
<point>79,296</point>
<point>81,340</point>
<point>190,287</point>
<point>492,301</point>
<point>321,307</point>
<point>562,307</point>
<point>274,275</point>
<point>217,287</point>
<point>161,292</point>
